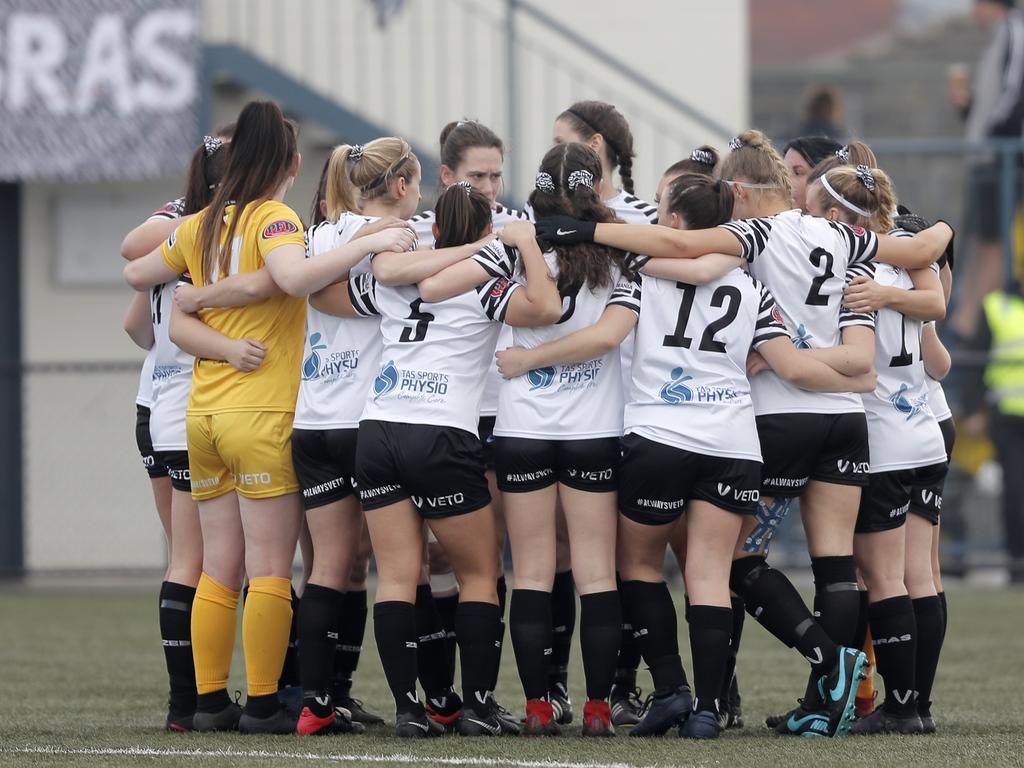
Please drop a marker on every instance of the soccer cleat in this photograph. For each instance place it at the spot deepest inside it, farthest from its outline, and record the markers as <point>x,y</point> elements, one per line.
<point>225,719</point>
<point>280,722</point>
<point>625,705</point>
<point>509,723</point>
<point>881,721</point>
<point>479,722</point>
<point>700,725</point>
<point>540,719</point>
<point>176,723</point>
<point>359,714</point>
<point>733,710</point>
<point>445,710</point>
<point>597,718</point>
<point>802,722</point>
<point>663,712</point>
<point>928,725</point>
<point>864,705</point>
<point>561,703</point>
<point>416,725</point>
<point>337,722</point>
<point>838,689</point>
<point>774,721</point>
<point>291,697</point>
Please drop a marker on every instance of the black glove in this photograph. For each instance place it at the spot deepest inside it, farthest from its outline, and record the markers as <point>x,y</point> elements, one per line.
<point>911,222</point>
<point>947,255</point>
<point>565,230</point>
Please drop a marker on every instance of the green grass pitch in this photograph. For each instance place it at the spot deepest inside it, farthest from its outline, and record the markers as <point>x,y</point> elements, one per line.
<point>82,683</point>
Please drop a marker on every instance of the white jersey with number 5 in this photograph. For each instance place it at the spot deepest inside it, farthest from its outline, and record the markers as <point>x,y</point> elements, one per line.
<point>689,384</point>
<point>806,263</point>
<point>573,401</point>
<point>342,355</point>
<point>435,356</point>
<point>902,430</point>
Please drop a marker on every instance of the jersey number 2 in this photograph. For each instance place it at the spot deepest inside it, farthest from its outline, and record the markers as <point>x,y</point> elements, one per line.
<point>722,295</point>
<point>814,295</point>
<point>423,319</point>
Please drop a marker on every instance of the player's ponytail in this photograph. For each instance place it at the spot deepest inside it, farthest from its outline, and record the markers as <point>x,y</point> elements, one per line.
<point>700,201</point>
<point>263,151</point>
<point>463,215</point>
<point>359,173</point>
<point>862,196</point>
<point>566,184</point>
<point>853,154</point>
<point>588,118</point>
<point>704,159</point>
<point>339,191</point>
<point>206,169</point>
<point>317,214</point>
<point>755,164</point>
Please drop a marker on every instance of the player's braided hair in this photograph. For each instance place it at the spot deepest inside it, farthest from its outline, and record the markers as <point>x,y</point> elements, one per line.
<point>590,117</point>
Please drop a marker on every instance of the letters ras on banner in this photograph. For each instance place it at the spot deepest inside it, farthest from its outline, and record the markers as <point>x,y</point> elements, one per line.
<point>97,89</point>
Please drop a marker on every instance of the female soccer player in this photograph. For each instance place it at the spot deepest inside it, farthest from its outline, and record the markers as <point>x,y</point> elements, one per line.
<point>419,456</point>
<point>800,156</point>
<point>805,262</point>
<point>894,549</point>
<point>163,428</point>
<point>703,160</point>
<point>690,413</point>
<point>239,425</point>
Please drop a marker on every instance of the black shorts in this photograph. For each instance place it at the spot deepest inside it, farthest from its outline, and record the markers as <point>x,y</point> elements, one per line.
<point>948,428</point>
<point>325,463</point>
<point>926,493</point>
<point>440,468</point>
<point>800,447</point>
<point>485,429</point>
<point>145,442</point>
<point>656,481</point>
<point>984,206</point>
<point>885,501</point>
<point>175,463</point>
<point>523,464</point>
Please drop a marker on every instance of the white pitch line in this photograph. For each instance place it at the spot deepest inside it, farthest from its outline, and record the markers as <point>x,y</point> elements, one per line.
<point>397,758</point>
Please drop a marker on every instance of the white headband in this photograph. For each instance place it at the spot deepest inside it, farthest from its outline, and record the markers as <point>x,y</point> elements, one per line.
<point>842,200</point>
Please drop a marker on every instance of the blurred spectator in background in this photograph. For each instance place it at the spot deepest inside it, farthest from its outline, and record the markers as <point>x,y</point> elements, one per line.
<point>822,114</point>
<point>993,107</point>
<point>1001,386</point>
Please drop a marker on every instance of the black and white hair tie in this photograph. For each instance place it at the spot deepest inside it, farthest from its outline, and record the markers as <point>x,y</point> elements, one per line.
<point>843,153</point>
<point>356,153</point>
<point>212,143</point>
<point>545,183</point>
<point>465,185</point>
<point>576,178</point>
<point>702,156</point>
<point>866,177</point>
<point>735,143</point>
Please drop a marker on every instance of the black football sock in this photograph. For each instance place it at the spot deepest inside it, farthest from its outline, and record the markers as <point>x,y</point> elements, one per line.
<point>394,627</point>
<point>710,628</point>
<point>352,613</point>
<point>650,610</point>
<point>563,623</point>
<point>499,642</point>
<point>893,633</point>
<point>928,620</point>
<point>773,600</point>
<point>475,630</point>
<point>945,613</point>
<point>290,669</point>
<point>836,599</point>
<point>600,633</point>
<point>435,675</point>
<point>530,629</point>
<point>176,635</point>
<point>446,608</point>
<point>860,635</point>
<point>735,635</point>
<point>318,637</point>
<point>629,653</point>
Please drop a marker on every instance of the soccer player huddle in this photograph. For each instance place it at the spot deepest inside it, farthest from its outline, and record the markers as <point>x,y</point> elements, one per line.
<point>593,380</point>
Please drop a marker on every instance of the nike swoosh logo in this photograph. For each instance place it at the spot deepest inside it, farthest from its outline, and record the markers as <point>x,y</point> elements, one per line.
<point>794,723</point>
<point>425,728</point>
<point>839,690</point>
<point>494,730</point>
<point>563,232</point>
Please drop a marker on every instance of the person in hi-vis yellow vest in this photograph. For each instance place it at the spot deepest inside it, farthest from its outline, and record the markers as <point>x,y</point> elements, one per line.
<point>1000,386</point>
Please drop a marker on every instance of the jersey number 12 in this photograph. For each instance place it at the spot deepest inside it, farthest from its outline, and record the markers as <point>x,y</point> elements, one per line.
<point>724,294</point>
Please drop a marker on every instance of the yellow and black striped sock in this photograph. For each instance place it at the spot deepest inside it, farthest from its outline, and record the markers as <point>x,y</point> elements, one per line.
<point>214,613</point>
<point>266,622</point>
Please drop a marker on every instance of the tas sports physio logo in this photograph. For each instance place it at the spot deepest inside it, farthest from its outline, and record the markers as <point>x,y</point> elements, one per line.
<point>803,338</point>
<point>330,367</point>
<point>677,391</point>
<point>409,384</point>
<point>565,378</point>
<point>909,408</point>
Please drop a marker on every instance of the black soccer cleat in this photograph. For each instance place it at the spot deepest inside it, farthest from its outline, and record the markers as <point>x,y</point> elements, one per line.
<point>881,721</point>
<point>482,721</point>
<point>280,722</point>
<point>416,725</point>
<point>225,719</point>
<point>626,705</point>
<point>178,723</point>
<point>358,712</point>
<point>774,721</point>
<point>509,722</point>
<point>732,712</point>
<point>561,703</point>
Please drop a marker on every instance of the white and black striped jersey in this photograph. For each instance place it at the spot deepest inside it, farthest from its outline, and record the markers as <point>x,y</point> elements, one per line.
<point>171,210</point>
<point>689,384</point>
<point>632,210</point>
<point>902,430</point>
<point>423,224</point>
<point>571,401</point>
<point>435,356</point>
<point>172,375</point>
<point>806,262</point>
<point>342,355</point>
<point>937,400</point>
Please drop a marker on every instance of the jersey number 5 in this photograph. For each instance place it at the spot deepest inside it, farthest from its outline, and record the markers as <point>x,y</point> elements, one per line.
<point>723,294</point>
<point>423,319</point>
